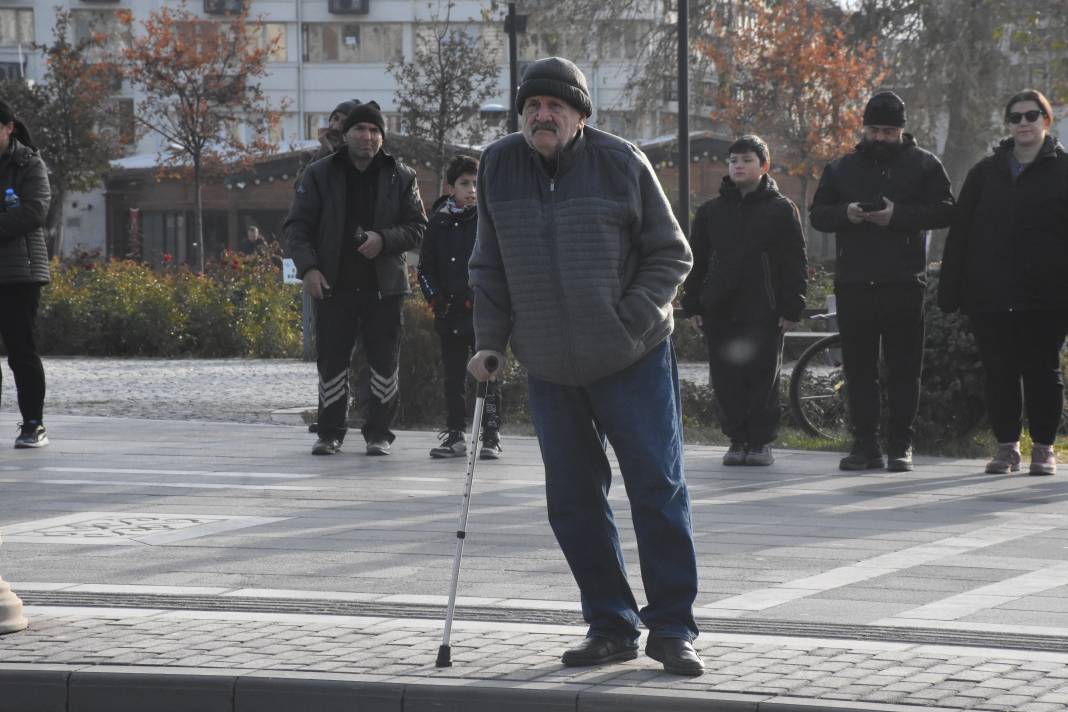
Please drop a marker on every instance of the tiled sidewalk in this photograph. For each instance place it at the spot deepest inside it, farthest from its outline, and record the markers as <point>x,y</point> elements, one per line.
<point>381,654</point>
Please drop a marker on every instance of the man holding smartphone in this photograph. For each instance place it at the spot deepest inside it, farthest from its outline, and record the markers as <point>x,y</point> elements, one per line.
<point>880,201</point>
<point>354,215</point>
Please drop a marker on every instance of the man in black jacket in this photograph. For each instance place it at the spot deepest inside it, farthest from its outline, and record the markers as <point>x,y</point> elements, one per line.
<point>354,215</point>
<point>879,201</point>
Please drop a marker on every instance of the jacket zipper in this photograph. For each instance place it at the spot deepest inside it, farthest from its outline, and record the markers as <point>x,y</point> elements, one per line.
<point>555,259</point>
<point>767,279</point>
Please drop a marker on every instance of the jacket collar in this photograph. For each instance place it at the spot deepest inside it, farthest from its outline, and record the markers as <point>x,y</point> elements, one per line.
<point>768,188</point>
<point>907,141</point>
<point>18,153</point>
<point>381,159</point>
<point>565,159</point>
<point>1050,147</point>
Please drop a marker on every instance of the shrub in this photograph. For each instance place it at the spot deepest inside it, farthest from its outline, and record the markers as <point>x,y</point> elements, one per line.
<point>238,307</point>
<point>952,399</point>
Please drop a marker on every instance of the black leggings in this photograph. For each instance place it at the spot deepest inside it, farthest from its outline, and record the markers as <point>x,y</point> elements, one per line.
<point>18,320</point>
<point>1021,354</point>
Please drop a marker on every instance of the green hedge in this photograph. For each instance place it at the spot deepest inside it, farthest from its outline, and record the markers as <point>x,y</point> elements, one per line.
<point>237,307</point>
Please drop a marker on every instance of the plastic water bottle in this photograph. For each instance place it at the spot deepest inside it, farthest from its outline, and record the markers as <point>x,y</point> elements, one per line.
<point>11,199</point>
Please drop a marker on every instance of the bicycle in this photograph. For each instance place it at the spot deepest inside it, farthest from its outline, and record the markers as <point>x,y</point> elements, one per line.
<point>818,388</point>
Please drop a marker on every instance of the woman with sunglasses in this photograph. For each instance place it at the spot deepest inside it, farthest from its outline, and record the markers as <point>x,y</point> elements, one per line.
<point>24,200</point>
<point>1005,266</point>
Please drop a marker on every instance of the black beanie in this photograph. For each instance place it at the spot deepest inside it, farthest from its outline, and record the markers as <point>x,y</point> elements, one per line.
<point>885,109</point>
<point>369,113</point>
<point>555,76</point>
<point>344,108</point>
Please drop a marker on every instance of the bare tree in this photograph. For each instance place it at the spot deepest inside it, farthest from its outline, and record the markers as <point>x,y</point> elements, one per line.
<point>442,88</point>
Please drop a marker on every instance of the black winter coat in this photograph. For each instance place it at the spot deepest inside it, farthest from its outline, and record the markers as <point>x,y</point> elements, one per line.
<point>316,221</point>
<point>23,252</point>
<point>915,181</point>
<point>1008,247</point>
<point>443,275</point>
<point>749,257</point>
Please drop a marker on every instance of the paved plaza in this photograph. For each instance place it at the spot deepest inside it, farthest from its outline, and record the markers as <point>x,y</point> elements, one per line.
<point>180,564</point>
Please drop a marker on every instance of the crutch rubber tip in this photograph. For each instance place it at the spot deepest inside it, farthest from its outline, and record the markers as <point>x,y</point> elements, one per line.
<point>444,657</point>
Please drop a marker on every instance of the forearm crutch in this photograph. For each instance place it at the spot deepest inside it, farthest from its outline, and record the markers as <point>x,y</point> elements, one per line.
<point>445,652</point>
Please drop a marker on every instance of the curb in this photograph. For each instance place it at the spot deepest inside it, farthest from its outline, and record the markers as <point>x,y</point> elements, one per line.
<point>59,688</point>
<point>302,415</point>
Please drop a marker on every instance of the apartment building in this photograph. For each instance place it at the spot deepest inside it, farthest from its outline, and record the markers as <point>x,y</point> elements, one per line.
<point>326,51</point>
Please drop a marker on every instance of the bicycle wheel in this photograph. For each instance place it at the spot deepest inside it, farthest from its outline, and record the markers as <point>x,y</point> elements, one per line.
<point>817,390</point>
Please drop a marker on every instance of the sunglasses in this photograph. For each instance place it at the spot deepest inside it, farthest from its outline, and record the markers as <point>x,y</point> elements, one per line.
<point>1016,117</point>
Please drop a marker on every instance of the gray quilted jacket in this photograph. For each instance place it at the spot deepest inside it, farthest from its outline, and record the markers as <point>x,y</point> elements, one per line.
<point>577,270</point>
<point>23,253</point>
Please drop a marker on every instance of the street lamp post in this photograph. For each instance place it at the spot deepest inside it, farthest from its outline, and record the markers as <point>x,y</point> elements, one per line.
<point>684,115</point>
<point>513,25</point>
<point>11,617</point>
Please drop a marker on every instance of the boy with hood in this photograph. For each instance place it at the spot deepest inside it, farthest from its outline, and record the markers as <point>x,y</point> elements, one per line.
<point>747,288</point>
<point>443,277</point>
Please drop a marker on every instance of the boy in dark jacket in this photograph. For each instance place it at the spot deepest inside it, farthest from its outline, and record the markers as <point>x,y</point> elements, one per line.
<point>443,278</point>
<point>746,289</point>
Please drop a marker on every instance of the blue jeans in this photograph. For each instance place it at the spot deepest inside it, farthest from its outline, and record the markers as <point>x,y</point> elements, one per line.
<point>639,409</point>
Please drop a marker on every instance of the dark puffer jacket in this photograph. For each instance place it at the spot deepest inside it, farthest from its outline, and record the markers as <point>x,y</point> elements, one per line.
<point>749,256</point>
<point>1008,247</point>
<point>915,181</point>
<point>443,275</point>
<point>23,252</point>
<point>316,221</point>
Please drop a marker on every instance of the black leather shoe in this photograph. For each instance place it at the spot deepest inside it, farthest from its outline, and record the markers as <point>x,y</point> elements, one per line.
<point>676,654</point>
<point>863,456</point>
<point>596,650</point>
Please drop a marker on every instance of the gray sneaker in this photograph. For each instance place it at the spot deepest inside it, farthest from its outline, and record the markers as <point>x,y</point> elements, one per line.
<point>760,456</point>
<point>1043,461</point>
<point>735,455</point>
<point>1006,459</point>
<point>378,447</point>
<point>31,435</point>
<point>452,445</point>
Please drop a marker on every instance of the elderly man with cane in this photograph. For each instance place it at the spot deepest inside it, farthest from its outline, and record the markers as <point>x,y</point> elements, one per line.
<point>577,261</point>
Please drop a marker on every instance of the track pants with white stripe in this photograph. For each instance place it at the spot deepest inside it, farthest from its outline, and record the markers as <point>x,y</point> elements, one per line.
<point>342,316</point>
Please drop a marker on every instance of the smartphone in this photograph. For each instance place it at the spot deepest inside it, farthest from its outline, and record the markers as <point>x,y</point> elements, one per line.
<point>873,206</point>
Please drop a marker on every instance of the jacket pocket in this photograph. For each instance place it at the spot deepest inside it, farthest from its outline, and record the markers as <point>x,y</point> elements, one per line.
<point>769,288</point>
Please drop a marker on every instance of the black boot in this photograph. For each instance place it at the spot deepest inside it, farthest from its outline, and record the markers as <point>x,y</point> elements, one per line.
<point>865,455</point>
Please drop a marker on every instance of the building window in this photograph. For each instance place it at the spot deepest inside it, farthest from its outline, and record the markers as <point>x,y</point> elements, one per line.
<point>487,36</point>
<point>272,35</point>
<point>570,43</point>
<point>353,43</point>
<point>313,121</point>
<point>121,109</point>
<point>16,27</point>
<point>621,41</point>
<point>105,23</point>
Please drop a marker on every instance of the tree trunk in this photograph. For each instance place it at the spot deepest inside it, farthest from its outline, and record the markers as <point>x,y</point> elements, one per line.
<point>198,217</point>
<point>54,223</point>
